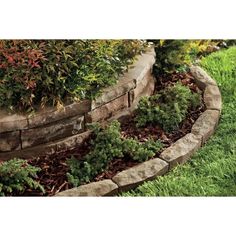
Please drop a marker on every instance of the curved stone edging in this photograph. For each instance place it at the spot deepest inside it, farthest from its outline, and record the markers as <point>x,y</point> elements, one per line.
<point>177,153</point>
<point>52,130</point>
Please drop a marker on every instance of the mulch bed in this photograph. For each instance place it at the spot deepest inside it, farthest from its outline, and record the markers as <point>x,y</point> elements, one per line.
<point>54,168</point>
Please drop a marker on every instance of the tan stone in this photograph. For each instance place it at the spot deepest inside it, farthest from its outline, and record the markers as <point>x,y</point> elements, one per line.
<point>123,86</point>
<point>202,79</point>
<point>142,66</point>
<point>12,122</point>
<point>94,189</point>
<point>136,175</point>
<point>53,131</point>
<point>10,141</point>
<point>107,110</point>
<point>122,116</point>
<point>144,88</point>
<point>206,124</point>
<point>212,98</point>
<point>181,150</point>
<point>49,115</point>
<point>48,148</point>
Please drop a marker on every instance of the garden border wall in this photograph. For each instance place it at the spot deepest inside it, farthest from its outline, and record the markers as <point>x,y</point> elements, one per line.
<point>177,153</point>
<point>51,130</point>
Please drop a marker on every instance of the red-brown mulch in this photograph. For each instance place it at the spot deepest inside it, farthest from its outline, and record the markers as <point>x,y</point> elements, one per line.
<point>54,168</point>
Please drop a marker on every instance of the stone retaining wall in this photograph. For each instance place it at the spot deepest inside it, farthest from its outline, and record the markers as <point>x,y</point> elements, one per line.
<point>51,130</point>
<point>177,153</point>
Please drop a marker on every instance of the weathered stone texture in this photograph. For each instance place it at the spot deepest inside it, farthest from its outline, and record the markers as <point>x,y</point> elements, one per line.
<point>212,98</point>
<point>144,88</point>
<point>12,122</point>
<point>49,115</point>
<point>132,177</point>
<point>48,148</point>
<point>206,124</point>
<point>122,87</point>
<point>95,189</point>
<point>107,110</point>
<point>54,131</point>
<point>181,150</point>
<point>10,141</point>
<point>141,67</point>
<point>202,79</point>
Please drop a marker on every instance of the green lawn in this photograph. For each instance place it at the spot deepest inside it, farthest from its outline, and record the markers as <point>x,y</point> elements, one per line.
<point>212,170</point>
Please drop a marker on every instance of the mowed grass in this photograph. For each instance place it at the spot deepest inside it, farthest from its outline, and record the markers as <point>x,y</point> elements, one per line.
<point>212,170</point>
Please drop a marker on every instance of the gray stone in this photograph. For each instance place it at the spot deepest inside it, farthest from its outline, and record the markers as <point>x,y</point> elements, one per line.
<point>141,66</point>
<point>48,148</point>
<point>123,86</point>
<point>105,111</point>
<point>181,150</point>
<point>94,189</point>
<point>206,124</point>
<point>144,88</point>
<point>71,142</point>
<point>122,116</point>
<point>212,98</point>
<point>49,115</point>
<point>136,175</point>
<point>10,141</point>
<point>202,79</point>
<point>51,132</point>
<point>12,122</point>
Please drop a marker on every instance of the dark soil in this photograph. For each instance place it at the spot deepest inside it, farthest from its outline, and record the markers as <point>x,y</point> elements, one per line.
<point>54,168</point>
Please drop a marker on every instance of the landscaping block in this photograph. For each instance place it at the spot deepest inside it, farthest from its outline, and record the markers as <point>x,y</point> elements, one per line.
<point>206,124</point>
<point>49,115</point>
<point>107,110</point>
<point>47,148</point>
<point>12,122</point>
<point>212,98</point>
<point>201,78</point>
<point>181,150</point>
<point>136,175</point>
<point>54,131</point>
<point>122,87</point>
<point>141,67</point>
<point>145,87</point>
<point>95,189</point>
<point>10,141</point>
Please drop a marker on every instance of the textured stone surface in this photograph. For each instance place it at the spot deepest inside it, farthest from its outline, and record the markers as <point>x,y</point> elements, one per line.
<point>144,88</point>
<point>49,115</point>
<point>202,79</point>
<point>132,177</point>
<point>48,148</point>
<point>95,189</point>
<point>107,110</point>
<point>181,150</point>
<point>122,116</point>
<point>123,86</point>
<point>143,64</point>
<point>206,124</point>
<point>212,98</point>
<point>12,122</point>
<point>54,131</point>
<point>10,141</point>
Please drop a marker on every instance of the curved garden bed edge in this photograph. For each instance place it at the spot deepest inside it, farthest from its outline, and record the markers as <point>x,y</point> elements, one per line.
<point>178,153</point>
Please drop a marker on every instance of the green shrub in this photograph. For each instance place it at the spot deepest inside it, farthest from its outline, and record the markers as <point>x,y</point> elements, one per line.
<point>168,108</point>
<point>39,72</point>
<point>17,175</point>
<point>107,145</point>
<point>172,55</point>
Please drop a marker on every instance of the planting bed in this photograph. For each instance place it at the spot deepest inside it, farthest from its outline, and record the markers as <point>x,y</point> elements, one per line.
<point>49,138</point>
<point>54,167</point>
